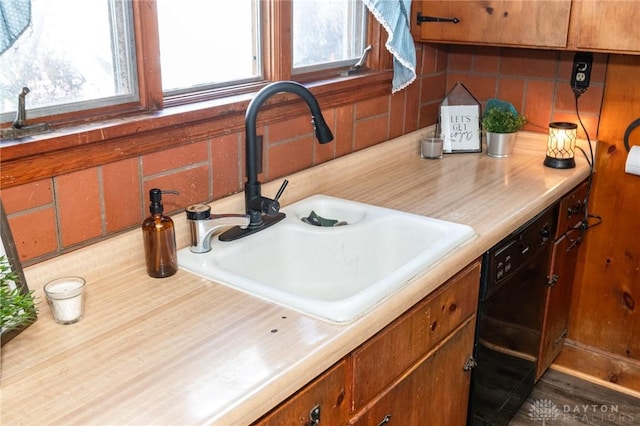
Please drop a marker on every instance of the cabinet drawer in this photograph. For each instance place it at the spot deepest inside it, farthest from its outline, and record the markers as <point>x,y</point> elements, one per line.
<point>572,209</point>
<point>499,22</point>
<point>326,392</point>
<point>395,348</point>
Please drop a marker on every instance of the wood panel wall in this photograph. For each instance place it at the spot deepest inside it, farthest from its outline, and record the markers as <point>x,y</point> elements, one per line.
<point>605,311</point>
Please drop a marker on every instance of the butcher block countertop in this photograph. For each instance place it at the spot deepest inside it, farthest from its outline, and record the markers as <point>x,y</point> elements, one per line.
<point>187,351</point>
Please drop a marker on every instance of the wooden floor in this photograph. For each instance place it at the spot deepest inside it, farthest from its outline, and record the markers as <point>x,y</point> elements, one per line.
<point>562,400</point>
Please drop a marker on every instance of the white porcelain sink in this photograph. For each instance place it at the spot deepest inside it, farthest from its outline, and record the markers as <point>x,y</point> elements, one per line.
<point>332,273</point>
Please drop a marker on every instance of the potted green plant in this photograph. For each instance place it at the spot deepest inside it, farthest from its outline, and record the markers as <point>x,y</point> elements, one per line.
<point>501,125</point>
<point>17,307</point>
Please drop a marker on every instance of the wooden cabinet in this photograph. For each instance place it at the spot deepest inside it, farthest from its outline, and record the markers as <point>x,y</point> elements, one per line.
<point>558,300</point>
<point>608,26</point>
<point>571,210</point>
<point>411,372</point>
<point>494,22</point>
<point>383,358</point>
<point>324,400</point>
<point>612,26</point>
<point>434,391</point>
<point>562,271</point>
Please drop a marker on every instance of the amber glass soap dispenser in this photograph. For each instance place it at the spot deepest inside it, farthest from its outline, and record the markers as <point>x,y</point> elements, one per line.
<point>159,238</point>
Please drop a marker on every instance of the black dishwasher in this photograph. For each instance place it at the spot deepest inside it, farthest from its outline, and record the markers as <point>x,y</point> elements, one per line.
<point>510,315</point>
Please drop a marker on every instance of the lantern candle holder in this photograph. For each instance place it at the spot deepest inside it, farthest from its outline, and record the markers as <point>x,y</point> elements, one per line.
<point>561,145</point>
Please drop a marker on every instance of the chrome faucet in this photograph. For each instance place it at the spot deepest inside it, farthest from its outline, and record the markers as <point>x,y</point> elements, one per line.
<point>202,225</point>
<point>263,211</point>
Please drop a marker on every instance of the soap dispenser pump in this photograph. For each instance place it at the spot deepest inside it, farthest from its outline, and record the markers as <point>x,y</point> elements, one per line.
<point>159,238</point>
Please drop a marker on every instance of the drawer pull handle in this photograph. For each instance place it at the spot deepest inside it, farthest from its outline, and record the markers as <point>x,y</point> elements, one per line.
<point>470,364</point>
<point>386,420</point>
<point>422,19</point>
<point>552,280</point>
<point>314,416</point>
<point>575,209</point>
<point>560,337</point>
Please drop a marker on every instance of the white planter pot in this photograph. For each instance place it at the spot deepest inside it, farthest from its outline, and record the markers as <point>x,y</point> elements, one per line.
<point>500,144</point>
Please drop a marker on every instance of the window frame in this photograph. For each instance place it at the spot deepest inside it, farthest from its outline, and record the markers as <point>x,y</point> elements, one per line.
<point>118,132</point>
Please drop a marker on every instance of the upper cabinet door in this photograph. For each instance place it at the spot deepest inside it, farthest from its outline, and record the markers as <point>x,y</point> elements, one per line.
<point>541,23</point>
<point>610,25</point>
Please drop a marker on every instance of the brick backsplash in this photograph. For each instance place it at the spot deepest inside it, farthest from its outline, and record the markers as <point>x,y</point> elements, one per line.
<point>56,215</point>
<point>536,82</point>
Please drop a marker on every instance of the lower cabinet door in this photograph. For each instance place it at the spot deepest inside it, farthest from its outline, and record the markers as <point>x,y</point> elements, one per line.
<point>558,301</point>
<point>435,391</point>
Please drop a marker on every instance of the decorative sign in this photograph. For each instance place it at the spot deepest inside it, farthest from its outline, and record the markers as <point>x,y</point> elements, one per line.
<point>461,128</point>
<point>460,121</point>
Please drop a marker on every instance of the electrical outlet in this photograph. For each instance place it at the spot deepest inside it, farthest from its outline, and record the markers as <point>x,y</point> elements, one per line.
<point>581,74</point>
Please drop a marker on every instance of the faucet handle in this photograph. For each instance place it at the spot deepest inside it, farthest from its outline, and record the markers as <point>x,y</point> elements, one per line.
<point>272,207</point>
<point>281,190</point>
<point>269,206</point>
<point>198,212</point>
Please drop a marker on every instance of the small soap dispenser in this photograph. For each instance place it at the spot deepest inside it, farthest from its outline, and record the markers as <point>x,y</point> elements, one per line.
<point>159,238</point>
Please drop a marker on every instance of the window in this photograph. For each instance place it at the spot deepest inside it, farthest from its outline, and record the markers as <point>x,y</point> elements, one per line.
<point>113,125</point>
<point>206,43</point>
<point>75,54</point>
<point>84,58</point>
<point>327,34</point>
